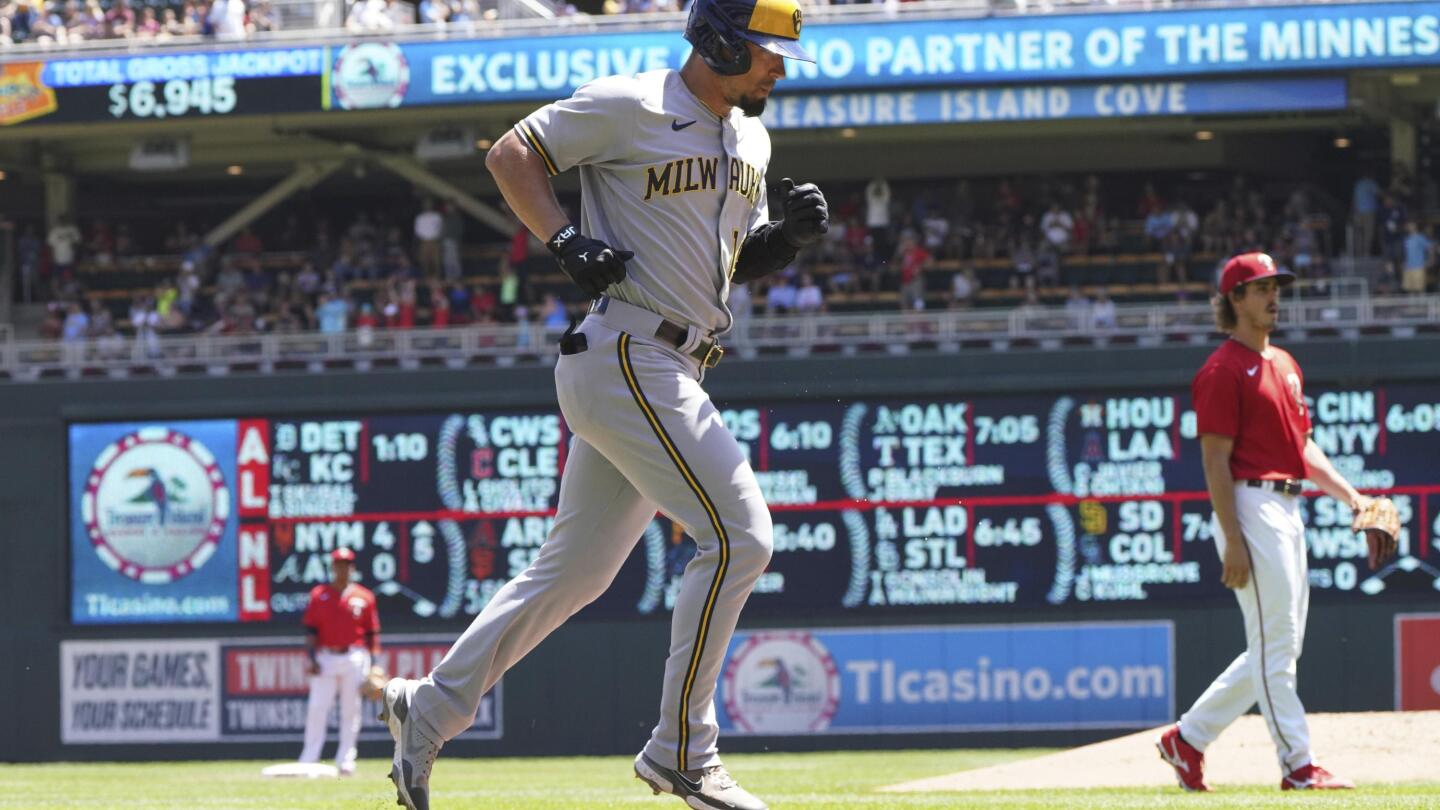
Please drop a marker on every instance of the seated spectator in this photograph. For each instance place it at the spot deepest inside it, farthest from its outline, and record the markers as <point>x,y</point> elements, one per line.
<point>109,344</point>
<point>257,281</point>
<point>1022,260</point>
<point>439,307</point>
<point>172,25</point>
<point>1215,231</point>
<point>17,23</point>
<point>1150,202</point>
<point>53,327</point>
<point>935,230</point>
<point>433,12</point>
<point>460,303</point>
<point>1102,312</point>
<point>809,298</point>
<point>1158,225</point>
<point>121,19</point>
<point>963,288</point>
<point>553,314</point>
<point>1077,308</point>
<point>780,299</point>
<point>1058,228</point>
<point>264,17</point>
<point>230,279</point>
<point>285,320</point>
<point>369,15</point>
<point>307,281</point>
<point>914,260</point>
<point>76,327</point>
<point>145,322</point>
<point>101,321</point>
<point>1031,304</point>
<point>149,25</point>
<point>89,23</point>
<point>247,242</point>
<point>333,312</point>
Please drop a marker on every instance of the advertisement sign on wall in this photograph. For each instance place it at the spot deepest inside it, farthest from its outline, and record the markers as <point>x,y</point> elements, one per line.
<point>1021,50</point>
<point>220,690</point>
<point>958,678</point>
<point>152,526</point>
<point>1417,662</point>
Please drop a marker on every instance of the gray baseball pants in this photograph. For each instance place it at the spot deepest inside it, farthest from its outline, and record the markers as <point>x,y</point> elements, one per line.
<point>647,437</point>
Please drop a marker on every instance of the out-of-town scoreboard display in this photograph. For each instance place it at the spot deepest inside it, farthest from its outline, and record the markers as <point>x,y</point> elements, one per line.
<point>881,507</point>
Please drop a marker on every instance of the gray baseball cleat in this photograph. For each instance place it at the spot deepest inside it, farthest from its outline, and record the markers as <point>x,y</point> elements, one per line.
<point>709,788</point>
<point>414,752</point>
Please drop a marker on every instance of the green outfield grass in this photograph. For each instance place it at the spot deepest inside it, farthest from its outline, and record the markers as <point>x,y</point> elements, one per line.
<point>829,781</point>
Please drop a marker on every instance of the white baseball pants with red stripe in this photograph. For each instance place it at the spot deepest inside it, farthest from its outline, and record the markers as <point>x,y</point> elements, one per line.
<point>1274,603</point>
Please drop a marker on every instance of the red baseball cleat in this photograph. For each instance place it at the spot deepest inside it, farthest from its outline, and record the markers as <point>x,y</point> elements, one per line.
<point>1314,777</point>
<point>1189,763</point>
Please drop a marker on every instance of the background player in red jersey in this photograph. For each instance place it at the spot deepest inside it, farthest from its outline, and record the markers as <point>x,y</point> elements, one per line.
<point>1256,448</point>
<point>342,634</point>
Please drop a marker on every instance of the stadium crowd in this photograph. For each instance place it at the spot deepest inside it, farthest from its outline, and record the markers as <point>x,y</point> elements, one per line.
<point>1028,242</point>
<point>66,22</point>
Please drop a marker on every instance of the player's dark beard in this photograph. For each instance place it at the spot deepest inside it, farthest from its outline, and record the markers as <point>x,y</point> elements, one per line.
<point>752,107</point>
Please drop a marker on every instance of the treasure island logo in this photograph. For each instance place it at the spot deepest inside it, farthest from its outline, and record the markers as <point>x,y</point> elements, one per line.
<point>155,505</point>
<point>370,75</point>
<point>781,683</point>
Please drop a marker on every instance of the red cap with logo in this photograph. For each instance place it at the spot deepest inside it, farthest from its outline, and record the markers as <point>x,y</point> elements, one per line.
<point>342,555</point>
<point>1249,267</point>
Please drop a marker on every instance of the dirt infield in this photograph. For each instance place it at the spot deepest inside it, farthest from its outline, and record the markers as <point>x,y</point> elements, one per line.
<point>1366,747</point>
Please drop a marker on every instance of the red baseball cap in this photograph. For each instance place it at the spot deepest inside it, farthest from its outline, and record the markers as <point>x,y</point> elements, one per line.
<point>1248,267</point>
<point>342,555</point>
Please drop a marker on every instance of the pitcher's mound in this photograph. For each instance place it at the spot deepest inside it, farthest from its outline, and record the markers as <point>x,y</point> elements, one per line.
<point>1366,747</point>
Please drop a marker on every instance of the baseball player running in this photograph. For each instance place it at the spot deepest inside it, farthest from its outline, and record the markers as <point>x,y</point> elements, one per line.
<point>1256,449</point>
<point>672,168</point>
<point>342,633</point>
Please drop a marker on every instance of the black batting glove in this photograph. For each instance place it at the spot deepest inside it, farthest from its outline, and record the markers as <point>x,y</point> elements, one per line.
<point>807,217</point>
<point>590,263</point>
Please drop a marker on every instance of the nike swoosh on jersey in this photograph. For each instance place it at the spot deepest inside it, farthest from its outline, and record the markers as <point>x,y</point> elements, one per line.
<point>677,126</point>
<point>1251,371</point>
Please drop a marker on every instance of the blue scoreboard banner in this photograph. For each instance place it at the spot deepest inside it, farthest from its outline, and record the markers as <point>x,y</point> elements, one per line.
<point>959,678</point>
<point>1038,51</point>
<point>1052,102</point>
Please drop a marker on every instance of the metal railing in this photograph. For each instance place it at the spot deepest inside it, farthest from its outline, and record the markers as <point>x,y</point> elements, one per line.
<point>793,335</point>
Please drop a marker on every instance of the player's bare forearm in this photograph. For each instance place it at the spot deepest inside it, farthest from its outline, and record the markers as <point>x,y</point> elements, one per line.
<point>1215,459</point>
<point>1319,470</point>
<point>523,181</point>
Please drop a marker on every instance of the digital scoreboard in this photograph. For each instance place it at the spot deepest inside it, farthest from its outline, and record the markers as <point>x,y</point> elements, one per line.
<point>880,506</point>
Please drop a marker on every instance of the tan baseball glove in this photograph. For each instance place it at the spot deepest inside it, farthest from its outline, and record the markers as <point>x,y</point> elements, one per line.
<point>1380,521</point>
<point>373,687</point>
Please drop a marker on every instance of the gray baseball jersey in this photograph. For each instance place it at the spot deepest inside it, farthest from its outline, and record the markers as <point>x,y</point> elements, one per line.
<point>690,185</point>
<point>681,187</point>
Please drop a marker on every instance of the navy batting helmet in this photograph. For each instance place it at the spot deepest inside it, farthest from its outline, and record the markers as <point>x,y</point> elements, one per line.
<point>719,29</point>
